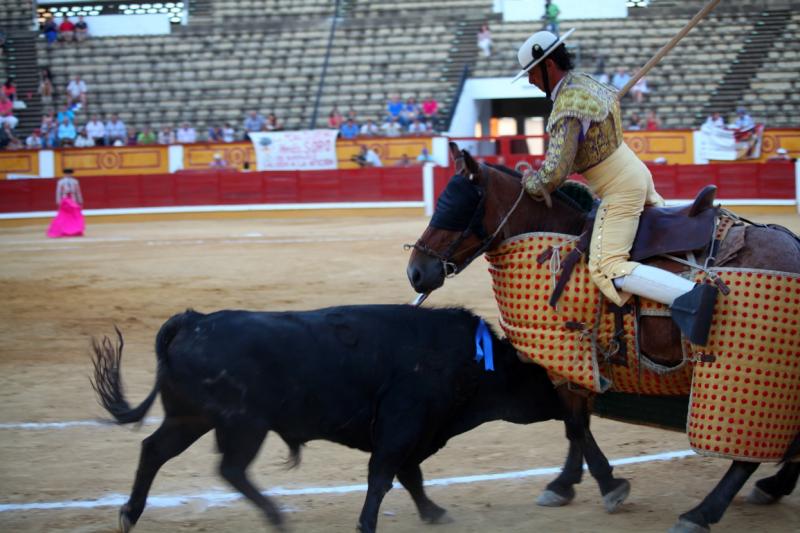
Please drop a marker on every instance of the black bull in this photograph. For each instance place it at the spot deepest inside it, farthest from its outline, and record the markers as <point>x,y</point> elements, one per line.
<point>396,381</point>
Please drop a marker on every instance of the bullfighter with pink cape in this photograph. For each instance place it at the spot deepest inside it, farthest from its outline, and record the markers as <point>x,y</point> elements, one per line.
<point>69,219</point>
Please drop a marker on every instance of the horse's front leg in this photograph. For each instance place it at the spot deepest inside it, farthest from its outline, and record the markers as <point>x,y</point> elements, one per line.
<point>582,445</point>
<point>712,508</point>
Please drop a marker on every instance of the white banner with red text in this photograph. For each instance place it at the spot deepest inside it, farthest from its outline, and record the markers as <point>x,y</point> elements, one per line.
<point>295,150</point>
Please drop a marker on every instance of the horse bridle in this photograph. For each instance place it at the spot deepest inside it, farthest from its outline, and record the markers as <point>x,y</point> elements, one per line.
<point>446,259</point>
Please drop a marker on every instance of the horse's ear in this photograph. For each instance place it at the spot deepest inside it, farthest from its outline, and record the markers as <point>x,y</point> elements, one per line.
<point>471,165</point>
<point>454,151</point>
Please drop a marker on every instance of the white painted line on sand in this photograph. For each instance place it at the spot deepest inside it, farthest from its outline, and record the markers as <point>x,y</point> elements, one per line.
<point>69,424</point>
<point>216,498</point>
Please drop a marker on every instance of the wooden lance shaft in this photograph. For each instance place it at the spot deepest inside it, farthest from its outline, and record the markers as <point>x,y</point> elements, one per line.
<point>667,47</point>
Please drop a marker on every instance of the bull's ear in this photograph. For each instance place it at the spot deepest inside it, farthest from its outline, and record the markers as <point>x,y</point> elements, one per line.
<point>472,166</point>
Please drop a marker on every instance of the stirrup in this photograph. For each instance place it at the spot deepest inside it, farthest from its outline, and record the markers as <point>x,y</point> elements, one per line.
<point>693,311</point>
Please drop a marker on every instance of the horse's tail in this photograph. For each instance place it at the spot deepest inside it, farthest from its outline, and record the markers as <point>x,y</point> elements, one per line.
<point>107,381</point>
<point>793,450</point>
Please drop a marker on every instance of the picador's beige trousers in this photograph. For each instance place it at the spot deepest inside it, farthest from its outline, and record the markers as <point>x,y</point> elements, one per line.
<point>625,186</point>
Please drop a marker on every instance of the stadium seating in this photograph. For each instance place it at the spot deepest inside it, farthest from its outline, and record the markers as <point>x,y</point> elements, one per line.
<point>268,55</point>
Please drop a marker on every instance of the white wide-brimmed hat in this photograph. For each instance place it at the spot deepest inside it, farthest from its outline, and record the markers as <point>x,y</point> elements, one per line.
<point>538,46</point>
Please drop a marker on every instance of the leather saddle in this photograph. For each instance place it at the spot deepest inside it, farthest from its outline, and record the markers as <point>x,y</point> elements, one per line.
<point>681,228</point>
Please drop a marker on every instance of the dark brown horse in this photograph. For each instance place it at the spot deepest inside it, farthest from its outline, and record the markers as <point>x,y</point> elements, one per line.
<point>487,205</point>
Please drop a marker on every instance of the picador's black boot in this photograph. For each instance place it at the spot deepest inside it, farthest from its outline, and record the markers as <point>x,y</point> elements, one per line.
<point>693,312</point>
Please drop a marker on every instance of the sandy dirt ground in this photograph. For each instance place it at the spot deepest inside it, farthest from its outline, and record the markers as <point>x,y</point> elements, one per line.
<point>58,293</point>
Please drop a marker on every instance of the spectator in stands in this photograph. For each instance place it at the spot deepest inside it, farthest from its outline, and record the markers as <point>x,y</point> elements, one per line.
<point>410,112</point>
<point>228,133</point>
<point>404,161</point>
<point>147,136</point>
<point>166,136</point>
<point>49,131</point>
<point>743,120</point>
<point>66,132</point>
<point>2,41</point>
<point>67,113</point>
<point>551,13</point>
<point>50,30</point>
<point>214,134</point>
<point>115,131</point>
<point>417,127</point>
<point>46,85</point>
<point>76,91</point>
<point>96,130</point>
<point>66,30</point>
<point>352,113</point>
<point>485,40</point>
<point>429,108</point>
<point>186,134</point>
<point>714,120</point>
<point>14,143</point>
<point>653,123</point>
<point>635,122</point>
<point>218,161</point>
<point>370,129</point>
<point>367,158</point>
<point>7,112</point>
<point>10,90</point>
<point>424,156</point>
<point>621,78</point>
<point>335,119</point>
<point>349,130</point>
<point>34,140</point>
<point>272,123</point>
<point>394,106</point>
<point>83,140</point>
<point>781,154</point>
<point>131,137</point>
<point>639,89</point>
<point>600,70</point>
<point>254,122</point>
<point>392,128</point>
<point>81,30</point>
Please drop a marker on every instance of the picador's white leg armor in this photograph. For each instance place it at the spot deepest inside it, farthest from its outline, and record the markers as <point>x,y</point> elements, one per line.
<point>691,304</point>
<point>654,283</point>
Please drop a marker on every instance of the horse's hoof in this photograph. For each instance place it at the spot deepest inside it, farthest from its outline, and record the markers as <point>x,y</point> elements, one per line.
<point>443,518</point>
<point>614,499</point>
<point>125,525</point>
<point>551,499</point>
<point>761,497</point>
<point>685,526</point>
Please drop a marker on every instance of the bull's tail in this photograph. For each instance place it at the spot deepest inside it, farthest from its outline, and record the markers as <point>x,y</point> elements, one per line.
<point>107,381</point>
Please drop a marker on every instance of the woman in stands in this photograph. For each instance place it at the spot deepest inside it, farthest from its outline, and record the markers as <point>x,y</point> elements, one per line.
<point>69,200</point>
<point>585,128</point>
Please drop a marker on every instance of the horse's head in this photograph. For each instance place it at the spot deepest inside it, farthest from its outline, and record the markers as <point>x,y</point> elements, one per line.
<point>464,224</point>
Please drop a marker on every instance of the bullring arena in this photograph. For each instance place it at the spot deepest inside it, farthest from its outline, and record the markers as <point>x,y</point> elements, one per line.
<point>165,232</point>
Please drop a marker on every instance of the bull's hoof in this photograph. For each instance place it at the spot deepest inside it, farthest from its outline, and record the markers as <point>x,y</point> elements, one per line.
<point>761,497</point>
<point>125,525</point>
<point>442,518</point>
<point>551,498</point>
<point>685,526</point>
<point>613,499</point>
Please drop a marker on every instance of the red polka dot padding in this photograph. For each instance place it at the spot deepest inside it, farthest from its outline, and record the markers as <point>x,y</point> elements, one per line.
<point>746,403</point>
<point>522,288</point>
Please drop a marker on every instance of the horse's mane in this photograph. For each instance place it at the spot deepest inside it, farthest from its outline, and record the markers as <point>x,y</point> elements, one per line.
<point>573,193</point>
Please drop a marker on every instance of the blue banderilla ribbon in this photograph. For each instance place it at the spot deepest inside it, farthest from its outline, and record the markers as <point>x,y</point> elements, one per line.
<point>483,346</point>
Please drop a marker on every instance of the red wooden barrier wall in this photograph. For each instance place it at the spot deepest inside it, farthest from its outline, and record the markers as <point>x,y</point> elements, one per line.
<point>735,181</point>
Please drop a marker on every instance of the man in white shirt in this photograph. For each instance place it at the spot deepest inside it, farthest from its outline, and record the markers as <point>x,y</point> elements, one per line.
<point>370,129</point>
<point>417,127</point>
<point>185,134</point>
<point>368,158</point>
<point>76,91</point>
<point>392,128</point>
<point>115,131</point>
<point>96,130</point>
<point>621,78</point>
<point>743,120</point>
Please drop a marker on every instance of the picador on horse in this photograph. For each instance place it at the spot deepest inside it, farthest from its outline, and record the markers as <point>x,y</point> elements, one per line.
<point>585,129</point>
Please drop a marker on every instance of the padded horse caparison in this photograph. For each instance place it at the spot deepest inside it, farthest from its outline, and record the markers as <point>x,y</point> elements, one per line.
<point>662,230</point>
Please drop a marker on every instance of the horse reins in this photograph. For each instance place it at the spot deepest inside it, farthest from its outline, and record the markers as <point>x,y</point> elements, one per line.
<point>449,267</point>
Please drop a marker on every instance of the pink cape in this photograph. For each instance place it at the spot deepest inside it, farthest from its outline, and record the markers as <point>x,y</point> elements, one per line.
<point>68,221</point>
